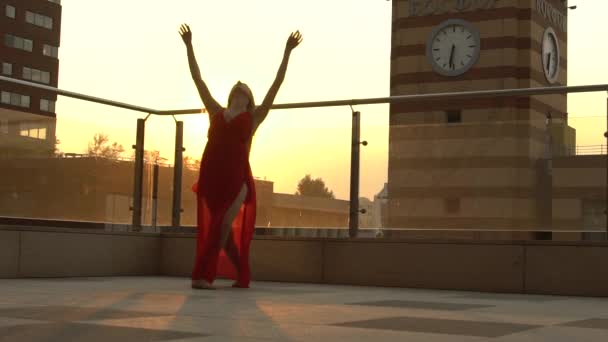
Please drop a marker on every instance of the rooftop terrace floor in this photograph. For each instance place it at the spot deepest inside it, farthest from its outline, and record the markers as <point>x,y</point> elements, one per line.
<point>166,309</point>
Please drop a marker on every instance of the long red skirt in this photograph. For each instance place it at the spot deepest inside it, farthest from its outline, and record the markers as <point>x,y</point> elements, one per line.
<point>224,169</point>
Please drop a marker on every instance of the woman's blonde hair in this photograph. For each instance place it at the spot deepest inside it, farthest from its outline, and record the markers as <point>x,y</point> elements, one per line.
<point>245,89</point>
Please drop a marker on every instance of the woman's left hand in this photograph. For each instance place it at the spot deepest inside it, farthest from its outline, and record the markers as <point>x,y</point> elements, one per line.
<point>293,41</point>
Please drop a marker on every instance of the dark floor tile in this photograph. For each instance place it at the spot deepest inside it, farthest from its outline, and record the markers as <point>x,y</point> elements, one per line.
<point>72,280</point>
<point>422,305</point>
<point>441,326</point>
<point>67,332</point>
<point>594,323</point>
<point>510,297</point>
<point>271,291</point>
<point>69,313</point>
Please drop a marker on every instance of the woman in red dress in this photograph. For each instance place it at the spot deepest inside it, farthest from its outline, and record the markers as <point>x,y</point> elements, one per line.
<point>225,190</point>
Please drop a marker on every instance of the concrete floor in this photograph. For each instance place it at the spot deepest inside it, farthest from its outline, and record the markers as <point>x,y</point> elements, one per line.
<point>166,309</point>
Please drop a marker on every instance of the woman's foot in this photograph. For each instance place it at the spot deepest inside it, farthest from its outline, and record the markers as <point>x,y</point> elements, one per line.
<point>240,285</point>
<point>202,285</point>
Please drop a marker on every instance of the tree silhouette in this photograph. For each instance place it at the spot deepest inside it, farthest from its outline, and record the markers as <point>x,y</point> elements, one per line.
<point>314,188</point>
<point>100,147</point>
<point>191,163</point>
<point>152,157</point>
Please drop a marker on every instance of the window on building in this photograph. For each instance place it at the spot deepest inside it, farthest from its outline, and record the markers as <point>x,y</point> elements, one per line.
<point>453,116</point>
<point>32,130</point>
<point>27,73</point>
<point>39,20</point>
<point>47,105</point>
<point>25,101</point>
<point>7,69</point>
<point>28,45</point>
<point>15,99</point>
<point>44,105</point>
<point>36,75</point>
<point>10,11</point>
<point>29,17</point>
<point>24,129</point>
<point>50,51</point>
<point>48,23</point>
<point>18,42</point>
<point>6,97</point>
<point>46,77</point>
<point>11,41</point>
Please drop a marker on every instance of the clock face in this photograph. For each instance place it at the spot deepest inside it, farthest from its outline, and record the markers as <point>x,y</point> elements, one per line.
<point>453,47</point>
<point>550,55</point>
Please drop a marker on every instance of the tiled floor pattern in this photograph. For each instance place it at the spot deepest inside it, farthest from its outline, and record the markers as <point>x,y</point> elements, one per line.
<point>166,309</point>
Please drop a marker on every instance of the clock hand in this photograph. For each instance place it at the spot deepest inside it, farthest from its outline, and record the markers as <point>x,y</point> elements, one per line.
<point>452,56</point>
<point>548,62</point>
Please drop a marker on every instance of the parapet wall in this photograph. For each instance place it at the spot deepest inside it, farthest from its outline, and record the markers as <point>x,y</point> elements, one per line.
<point>543,267</point>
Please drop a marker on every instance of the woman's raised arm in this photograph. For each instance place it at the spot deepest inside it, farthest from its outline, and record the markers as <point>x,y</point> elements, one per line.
<point>262,111</point>
<point>208,101</point>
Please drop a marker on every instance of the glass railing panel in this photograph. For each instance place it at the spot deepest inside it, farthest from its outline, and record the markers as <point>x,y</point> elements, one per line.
<point>69,160</point>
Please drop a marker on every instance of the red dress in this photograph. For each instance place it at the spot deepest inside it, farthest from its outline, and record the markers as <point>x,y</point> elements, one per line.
<point>224,169</point>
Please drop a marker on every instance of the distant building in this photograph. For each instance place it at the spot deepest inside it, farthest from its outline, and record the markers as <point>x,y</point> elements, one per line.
<point>100,190</point>
<point>366,219</point>
<point>381,207</point>
<point>307,212</point>
<point>30,31</point>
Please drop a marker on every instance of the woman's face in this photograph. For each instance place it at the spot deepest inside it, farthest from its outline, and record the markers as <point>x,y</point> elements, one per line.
<point>239,99</point>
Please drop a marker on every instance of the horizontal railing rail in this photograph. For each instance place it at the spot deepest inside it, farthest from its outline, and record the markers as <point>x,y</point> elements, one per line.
<point>335,103</point>
<point>79,96</point>
<point>591,150</point>
<point>7,221</point>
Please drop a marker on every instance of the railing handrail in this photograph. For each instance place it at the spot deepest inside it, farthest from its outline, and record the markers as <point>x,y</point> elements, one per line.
<point>333,103</point>
<point>80,96</point>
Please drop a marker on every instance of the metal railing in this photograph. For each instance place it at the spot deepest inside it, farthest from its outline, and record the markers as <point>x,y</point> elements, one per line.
<point>585,150</point>
<point>355,146</point>
<point>335,103</point>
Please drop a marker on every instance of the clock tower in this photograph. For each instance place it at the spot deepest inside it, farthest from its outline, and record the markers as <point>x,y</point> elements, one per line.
<point>477,163</point>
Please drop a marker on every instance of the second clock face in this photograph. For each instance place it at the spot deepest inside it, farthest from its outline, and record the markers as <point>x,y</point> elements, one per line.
<point>453,47</point>
<point>550,55</point>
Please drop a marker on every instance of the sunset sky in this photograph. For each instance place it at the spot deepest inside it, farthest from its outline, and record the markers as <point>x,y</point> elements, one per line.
<point>130,51</point>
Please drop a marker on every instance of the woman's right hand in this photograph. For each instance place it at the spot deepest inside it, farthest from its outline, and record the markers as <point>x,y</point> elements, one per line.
<point>186,34</point>
<point>293,41</point>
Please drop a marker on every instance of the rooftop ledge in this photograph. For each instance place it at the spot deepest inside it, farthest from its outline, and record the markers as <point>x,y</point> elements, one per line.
<point>525,267</point>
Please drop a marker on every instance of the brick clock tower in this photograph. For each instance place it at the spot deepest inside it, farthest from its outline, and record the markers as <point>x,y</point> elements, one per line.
<point>481,163</point>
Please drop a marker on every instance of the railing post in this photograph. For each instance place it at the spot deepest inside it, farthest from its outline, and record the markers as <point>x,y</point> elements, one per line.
<point>138,174</point>
<point>353,222</point>
<point>177,174</point>
<point>606,159</point>
<point>545,196</point>
<point>155,194</point>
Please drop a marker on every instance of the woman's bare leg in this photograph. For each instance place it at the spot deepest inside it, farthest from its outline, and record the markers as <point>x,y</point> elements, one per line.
<point>226,238</point>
